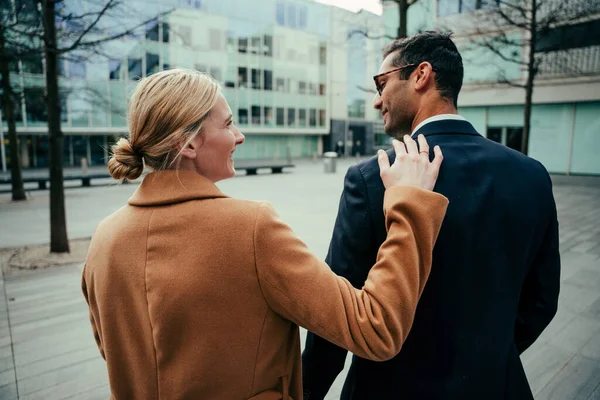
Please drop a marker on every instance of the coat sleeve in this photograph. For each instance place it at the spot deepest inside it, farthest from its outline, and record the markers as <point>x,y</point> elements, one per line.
<point>372,322</point>
<point>90,301</point>
<point>539,295</point>
<point>352,253</point>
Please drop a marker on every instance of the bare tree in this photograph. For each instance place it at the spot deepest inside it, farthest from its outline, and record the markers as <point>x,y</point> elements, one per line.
<point>80,33</point>
<point>513,31</point>
<point>403,6</point>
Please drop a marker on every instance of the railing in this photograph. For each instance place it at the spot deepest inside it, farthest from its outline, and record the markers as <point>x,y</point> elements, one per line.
<point>571,62</point>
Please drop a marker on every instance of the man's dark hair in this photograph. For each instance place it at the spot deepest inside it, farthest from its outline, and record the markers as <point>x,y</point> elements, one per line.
<point>440,51</point>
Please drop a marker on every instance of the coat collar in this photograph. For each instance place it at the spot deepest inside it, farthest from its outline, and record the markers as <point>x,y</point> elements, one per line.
<point>173,186</point>
<point>446,126</point>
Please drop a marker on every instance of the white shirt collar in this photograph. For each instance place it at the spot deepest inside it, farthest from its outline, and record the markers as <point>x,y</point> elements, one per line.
<point>439,117</point>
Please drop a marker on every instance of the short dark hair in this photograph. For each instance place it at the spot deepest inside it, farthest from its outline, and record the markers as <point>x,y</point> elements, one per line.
<point>440,51</point>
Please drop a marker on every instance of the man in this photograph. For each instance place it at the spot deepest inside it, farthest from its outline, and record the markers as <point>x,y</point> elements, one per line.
<point>494,283</point>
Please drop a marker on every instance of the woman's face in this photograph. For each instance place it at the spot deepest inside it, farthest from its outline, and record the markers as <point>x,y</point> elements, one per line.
<point>216,143</point>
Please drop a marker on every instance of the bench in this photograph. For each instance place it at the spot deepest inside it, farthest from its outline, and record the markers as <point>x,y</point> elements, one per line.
<point>43,180</point>
<point>252,168</point>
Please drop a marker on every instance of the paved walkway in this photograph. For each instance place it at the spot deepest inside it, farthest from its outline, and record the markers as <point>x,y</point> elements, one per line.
<point>46,346</point>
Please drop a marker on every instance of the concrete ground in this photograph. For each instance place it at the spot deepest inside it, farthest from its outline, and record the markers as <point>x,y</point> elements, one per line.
<point>46,346</point>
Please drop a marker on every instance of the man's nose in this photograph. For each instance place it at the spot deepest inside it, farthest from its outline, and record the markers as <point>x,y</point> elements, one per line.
<point>377,103</point>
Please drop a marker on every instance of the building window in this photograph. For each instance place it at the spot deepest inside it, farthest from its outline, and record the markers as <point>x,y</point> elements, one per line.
<point>230,76</point>
<point>231,42</point>
<point>243,116</point>
<point>77,69</point>
<point>291,16</point>
<point>280,85</point>
<point>322,118</point>
<point>242,77</point>
<point>291,117</point>
<point>197,4</point>
<point>152,64</point>
<point>32,64</point>
<point>313,89</point>
<point>302,87</point>
<point>313,117</point>
<point>256,45</point>
<point>152,30</point>
<point>256,78</point>
<point>323,55</point>
<point>302,117</point>
<point>268,116</point>
<point>302,18</point>
<point>450,7</point>
<point>35,106</point>
<point>255,115</point>
<point>322,89</point>
<point>280,13</point>
<point>508,136</point>
<point>114,69</point>
<point>268,79</point>
<point>216,39</point>
<point>185,33</point>
<point>280,116</point>
<point>134,66</point>
<point>216,73</point>
<point>242,45</point>
<point>165,32</point>
<point>268,46</point>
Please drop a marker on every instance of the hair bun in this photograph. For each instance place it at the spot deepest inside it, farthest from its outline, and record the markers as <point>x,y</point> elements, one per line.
<point>125,163</point>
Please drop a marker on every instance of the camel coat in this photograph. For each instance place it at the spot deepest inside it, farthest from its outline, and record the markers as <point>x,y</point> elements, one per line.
<point>195,295</point>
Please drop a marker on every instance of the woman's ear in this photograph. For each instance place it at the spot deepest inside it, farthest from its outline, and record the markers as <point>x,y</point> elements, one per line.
<point>191,149</point>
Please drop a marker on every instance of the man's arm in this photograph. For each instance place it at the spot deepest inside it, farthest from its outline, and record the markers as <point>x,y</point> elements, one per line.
<point>539,295</point>
<point>352,253</point>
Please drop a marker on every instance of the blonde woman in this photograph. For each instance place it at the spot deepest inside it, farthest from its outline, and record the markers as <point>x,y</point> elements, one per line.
<point>196,295</point>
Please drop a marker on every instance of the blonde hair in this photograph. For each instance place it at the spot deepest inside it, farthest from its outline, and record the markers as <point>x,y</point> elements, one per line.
<point>167,110</point>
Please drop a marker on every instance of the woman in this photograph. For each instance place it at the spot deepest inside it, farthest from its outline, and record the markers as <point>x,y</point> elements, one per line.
<point>195,295</point>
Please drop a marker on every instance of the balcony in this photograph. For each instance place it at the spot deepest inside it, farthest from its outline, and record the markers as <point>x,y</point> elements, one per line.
<point>583,61</point>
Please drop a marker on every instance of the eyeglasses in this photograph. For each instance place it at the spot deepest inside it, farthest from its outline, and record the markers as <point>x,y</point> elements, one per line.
<point>379,76</point>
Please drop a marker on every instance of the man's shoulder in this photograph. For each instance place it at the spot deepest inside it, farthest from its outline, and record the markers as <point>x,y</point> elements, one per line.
<point>369,168</point>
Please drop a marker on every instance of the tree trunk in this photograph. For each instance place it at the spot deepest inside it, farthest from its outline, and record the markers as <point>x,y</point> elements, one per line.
<point>18,192</point>
<point>531,72</point>
<point>58,223</point>
<point>402,10</point>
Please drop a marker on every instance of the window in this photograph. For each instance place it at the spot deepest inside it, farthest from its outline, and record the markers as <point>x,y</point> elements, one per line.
<point>32,64</point>
<point>152,64</point>
<point>165,32</point>
<point>268,116</point>
<point>77,69</point>
<point>242,77</point>
<point>256,45</point>
<point>243,116</point>
<point>152,30</point>
<point>216,39</point>
<point>255,115</point>
<point>322,118</point>
<point>302,87</point>
<point>231,75</point>
<point>313,117</point>
<point>231,42</point>
<point>302,117</point>
<point>280,13</point>
<point>322,89</point>
<point>323,55</point>
<point>134,66</point>
<point>197,4</point>
<point>268,47</point>
<point>291,114</point>
<point>114,69</point>
<point>291,16</point>
<point>35,107</point>
<point>185,33</point>
<point>256,78</point>
<point>508,136</point>
<point>449,7</point>
<point>242,45</point>
<point>302,19</point>
<point>280,116</point>
<point>216,73</point>
<point>313,89</point>
<point>280,85</point>
<point>268,79</point>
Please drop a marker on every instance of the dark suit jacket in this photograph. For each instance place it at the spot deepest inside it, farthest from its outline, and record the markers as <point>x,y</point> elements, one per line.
<point>494,282</point>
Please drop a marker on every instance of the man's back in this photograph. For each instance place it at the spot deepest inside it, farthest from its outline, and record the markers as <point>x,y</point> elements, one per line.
<point>493,286</point>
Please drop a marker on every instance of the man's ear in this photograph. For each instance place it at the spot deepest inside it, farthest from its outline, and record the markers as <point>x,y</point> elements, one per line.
<point>423,75</point>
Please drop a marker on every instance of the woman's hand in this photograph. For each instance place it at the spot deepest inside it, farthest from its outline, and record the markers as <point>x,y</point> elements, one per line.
<point>412,166</point>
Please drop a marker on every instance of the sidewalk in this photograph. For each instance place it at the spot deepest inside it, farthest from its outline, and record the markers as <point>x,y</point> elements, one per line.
<point>47,350</point>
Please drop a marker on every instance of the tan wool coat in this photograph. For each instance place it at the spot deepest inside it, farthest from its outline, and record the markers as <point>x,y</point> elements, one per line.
<point>195,295</point>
